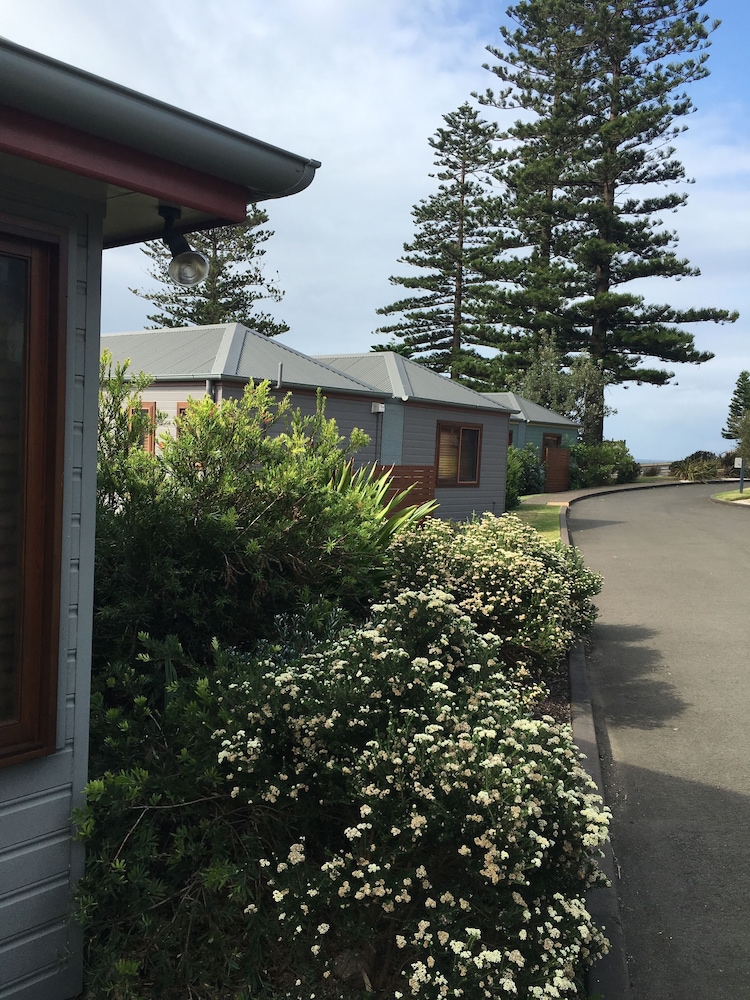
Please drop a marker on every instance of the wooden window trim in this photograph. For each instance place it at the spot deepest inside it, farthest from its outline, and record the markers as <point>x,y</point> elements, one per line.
<point>32,731</point>
<point>180,411</point>
<point>149,441</point>
<point>445,425</point>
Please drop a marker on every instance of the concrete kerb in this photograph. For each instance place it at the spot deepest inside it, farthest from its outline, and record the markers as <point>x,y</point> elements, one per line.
<point>609,976</point>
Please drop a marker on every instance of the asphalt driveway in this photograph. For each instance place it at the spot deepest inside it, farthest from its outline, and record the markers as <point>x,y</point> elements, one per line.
<point>670,680</point>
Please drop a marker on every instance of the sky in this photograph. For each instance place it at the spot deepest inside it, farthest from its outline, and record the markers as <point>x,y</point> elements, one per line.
<point>361,85</point>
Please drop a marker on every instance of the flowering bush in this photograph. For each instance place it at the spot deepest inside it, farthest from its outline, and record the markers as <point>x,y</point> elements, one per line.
<point>382,815</point>
<point>377,811</point>
<point>535,595</point>
<point>459,832</point>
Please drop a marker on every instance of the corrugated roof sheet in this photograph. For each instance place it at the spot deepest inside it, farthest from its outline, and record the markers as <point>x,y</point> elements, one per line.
<point>529,412</point>
<point>405,379</point>
<point>190,351</point>
<point>228,351</point>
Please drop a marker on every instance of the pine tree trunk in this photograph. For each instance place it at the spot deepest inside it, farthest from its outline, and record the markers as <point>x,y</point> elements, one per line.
<point>458,290</point>
<point>593,417</point>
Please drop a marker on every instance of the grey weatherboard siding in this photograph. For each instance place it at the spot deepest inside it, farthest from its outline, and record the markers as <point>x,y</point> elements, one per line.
<point>457,503</point>
<point>84,164</point>
<point>40,953</point>
<point>416,401</point>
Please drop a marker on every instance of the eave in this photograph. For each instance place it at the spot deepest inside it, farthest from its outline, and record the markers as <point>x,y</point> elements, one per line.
<point>141,150</point>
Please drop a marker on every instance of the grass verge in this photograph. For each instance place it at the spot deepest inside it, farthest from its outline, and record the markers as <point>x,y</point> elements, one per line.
<point>733,495</point>
<point>543,517</point>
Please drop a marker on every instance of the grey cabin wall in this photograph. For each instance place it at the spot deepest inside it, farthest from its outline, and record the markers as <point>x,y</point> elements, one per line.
<point>519,431</point>
<point>40,944</point>
<point>532,433</point>
<point>457,503</point>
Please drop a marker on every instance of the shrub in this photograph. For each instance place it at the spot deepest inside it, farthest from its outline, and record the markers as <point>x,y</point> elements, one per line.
<point>250,511</point>
<point>535,595</point>
<point>650,470</point>
<point>700,466</point>
<point>525,474</point>
<point>602,464</point>
<point>726,461</point>
<point>327,811</point>
<point>533,475</point>
<point>513,475</point>
<point>382,815</point>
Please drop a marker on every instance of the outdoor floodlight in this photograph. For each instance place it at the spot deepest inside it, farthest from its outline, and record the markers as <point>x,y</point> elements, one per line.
<point>187,267</point>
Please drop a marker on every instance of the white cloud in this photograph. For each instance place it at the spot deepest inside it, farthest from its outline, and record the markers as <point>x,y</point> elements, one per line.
<point>361,85</point>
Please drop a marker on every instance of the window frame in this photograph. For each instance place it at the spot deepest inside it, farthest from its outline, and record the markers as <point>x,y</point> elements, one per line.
<point>32,730</point>
<point>456,481</point>
<point>149,438</point>
<point>180,411</point>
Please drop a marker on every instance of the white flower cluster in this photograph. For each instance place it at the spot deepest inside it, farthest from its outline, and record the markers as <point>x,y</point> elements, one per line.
<point>534,594</point>
<point>428,837</point>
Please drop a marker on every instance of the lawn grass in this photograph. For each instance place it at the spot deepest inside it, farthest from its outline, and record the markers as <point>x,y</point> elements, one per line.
<point>734,495</point>
<point>545,518</point>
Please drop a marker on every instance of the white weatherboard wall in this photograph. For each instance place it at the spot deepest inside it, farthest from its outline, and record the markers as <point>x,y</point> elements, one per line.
<point>348,412</point>
<point>40,954</point>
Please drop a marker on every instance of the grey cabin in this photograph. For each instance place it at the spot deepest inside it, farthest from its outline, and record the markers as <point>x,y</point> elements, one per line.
<point>85,165</point>
<point>444,440</point>
<point>552,434</point>
<point>433,430</point>
<point>219,361</point>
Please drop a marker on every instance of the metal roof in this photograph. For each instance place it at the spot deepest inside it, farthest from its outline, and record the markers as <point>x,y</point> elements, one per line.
<point>529,412</point>
<point>405,379</point>
<point>55,92</point>
<point>228,351</point>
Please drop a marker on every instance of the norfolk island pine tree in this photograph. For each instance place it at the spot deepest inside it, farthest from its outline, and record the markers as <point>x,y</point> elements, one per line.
<point>599,86</point>
<point>454,239</point>
<point>235,284</point>
<point>739,405</point>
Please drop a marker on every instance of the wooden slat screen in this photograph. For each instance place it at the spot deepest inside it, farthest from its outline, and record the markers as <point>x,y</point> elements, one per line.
<point>557,461</point>
<point>422,477</point>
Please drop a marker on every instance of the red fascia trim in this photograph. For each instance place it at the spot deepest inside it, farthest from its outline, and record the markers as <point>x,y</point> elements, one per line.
<point>44,141</point>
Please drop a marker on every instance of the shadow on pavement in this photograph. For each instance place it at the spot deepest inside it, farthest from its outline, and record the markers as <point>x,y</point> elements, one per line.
<point>589,523</point>
<point>680,850</point>
<point>636,696</point>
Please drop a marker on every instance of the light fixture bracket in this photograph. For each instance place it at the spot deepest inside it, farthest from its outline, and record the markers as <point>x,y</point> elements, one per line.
<point>187,267</point>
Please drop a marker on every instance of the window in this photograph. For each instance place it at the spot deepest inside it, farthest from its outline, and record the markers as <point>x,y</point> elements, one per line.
<point>180,412</point>
<point>149,438</point>
<point>458,450</point>
<point>31,439</point>
<point>148,435</point>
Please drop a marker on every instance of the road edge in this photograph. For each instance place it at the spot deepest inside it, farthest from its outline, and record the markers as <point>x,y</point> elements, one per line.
<point>607,977</point>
